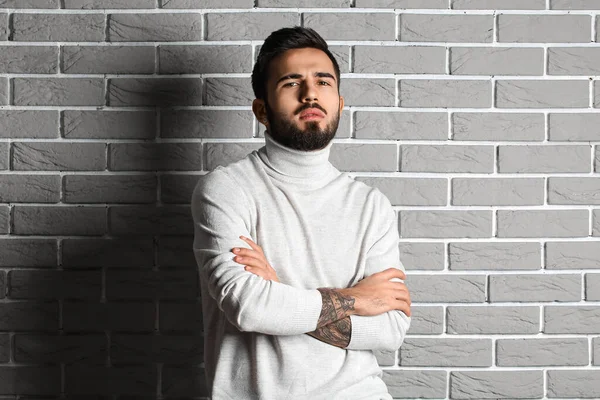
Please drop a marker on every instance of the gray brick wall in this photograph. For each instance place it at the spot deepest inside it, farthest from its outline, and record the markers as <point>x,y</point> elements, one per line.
<point>479,119</point>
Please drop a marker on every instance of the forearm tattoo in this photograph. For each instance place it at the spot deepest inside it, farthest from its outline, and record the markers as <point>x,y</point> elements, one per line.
<point>337,333</point>
<point>335,306</point>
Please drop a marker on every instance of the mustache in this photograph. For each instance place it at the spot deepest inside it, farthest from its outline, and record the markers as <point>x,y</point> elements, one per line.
<point>312,105</point>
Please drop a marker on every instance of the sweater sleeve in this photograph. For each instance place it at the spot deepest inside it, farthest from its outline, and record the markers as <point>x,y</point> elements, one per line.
<point>221,215</point>
<point>385,331</point>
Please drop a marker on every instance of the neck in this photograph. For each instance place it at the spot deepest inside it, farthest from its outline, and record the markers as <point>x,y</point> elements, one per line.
<point>295,163</point>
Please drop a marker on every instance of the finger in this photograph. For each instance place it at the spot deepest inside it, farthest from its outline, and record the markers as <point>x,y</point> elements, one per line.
<point>257,271</point>
<point>394,273</point>
<point>404,307</point>
<point>244,252</point>
<point>251,261</point>
<point>251,243</point>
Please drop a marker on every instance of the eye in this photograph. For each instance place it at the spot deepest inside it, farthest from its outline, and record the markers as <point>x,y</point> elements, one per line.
<point>291,83</point>
<point>325,82</point>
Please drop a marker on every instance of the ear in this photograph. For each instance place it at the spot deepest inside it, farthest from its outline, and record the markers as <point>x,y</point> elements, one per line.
<point>260,111</point>
<point>341,104</point>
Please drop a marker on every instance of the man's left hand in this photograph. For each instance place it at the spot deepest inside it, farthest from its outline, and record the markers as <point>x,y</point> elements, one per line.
<point>254,260</point>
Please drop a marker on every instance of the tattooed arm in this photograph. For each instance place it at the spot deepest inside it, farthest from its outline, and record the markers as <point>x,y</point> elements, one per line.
<point>334,326</point>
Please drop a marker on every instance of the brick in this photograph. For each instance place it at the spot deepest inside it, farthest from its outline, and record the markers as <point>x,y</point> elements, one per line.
<point>108,60</point>
<point>445,224</point>
<point>56,156</point>
<point>155,156</point>
<point>415,384</point>
<point>155,27</point>
<point>498,126</point>
<point>422,256</point>
<point>494,256</point>
<point>36,124</point>
<point>207,4</point>
<point>544,159</point>
<point>596,95</point>
<point>29,3</point>
<point>542,352</point>
<point>5,348</point>
<point>385,125</point>
<point>58,91</point>
<point>150,220</point>
<point>572,255</point>
<point>102,4</point>
<point>181,317</point>
<point>444,158</point>
<point>33,380</point>
<point>446,28</point>
<point>304,3</point>
<point>486,320</point>
<point>341,55</point>
<point>28,252</point>
<point>4,155</point>
<point>92,124</point>
<point>445,93</point>
<point>226,153</point>
<point>399,60</point>
<point>147,349</point>
<point>155,92</point>
<point>426,320</point>
<point>228,92</point>
<point>4,91</point>
<point>592,287</point>
<point>222,124</point>
<point>573,190</point>
<point>437,352</point>
<point>18,316</point>
<point>368,92</point>
<point>100,380</point>
<point>98,317</point>
<point>573,61</point>
<point>29,59</point>
<point>596,350</point>
<point>177,188</point>
<point>246,26</point>
<point>498,4</point>
<point>55,349</point>
<point>30,188</point>
<point>542,94</point>
<point>175,284</point>
<point>535,287</point>
<point>54,284</point>
<point>55,220</point>
<point>574,5</point>
<point>180,59</point>
<point>4,28</point>
<point>497,191</point>
<point>364,157</point>
<point>184,381</point>
<point>574,384</point>
<point>496,384</point>
<point>384,358</point>
<point>422,4</point>
<point>543,223</point>
<point>352,26</point>
<point>111,253</point>
<point>110,189</point>
<point>411,191</point>
<point>572,319</point>
<point>447,288</point>
<point>574,127</point>
<point>544,28</point>
<point>4,219</point>
<point>176,251</point>
<point>496,61</point>
<point>58,27</point>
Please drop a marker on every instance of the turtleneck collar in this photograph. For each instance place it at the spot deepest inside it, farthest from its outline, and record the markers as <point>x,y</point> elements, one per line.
<point>296,163</point>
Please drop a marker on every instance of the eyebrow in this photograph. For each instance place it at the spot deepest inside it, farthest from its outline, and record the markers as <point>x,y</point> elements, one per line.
<point>298,76</point>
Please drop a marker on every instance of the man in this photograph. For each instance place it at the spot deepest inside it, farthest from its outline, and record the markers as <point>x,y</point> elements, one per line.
<point>299,266</point>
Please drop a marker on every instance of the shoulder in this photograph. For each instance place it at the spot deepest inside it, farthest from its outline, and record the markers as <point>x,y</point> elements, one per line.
<point>372,196</point>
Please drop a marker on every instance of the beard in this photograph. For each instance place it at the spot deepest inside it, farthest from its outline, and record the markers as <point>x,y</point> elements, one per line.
<point>288,134</point>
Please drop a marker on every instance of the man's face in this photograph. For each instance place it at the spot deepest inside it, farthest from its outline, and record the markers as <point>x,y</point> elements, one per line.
<point>303,105</point>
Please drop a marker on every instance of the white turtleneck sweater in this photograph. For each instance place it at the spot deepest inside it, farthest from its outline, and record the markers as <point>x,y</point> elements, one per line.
<point>318,227</point>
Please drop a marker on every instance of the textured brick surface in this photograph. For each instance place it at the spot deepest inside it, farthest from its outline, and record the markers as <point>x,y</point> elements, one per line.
<point>478,119</point>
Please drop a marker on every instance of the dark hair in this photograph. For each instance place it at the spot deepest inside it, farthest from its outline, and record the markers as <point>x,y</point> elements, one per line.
<point>281,41</point>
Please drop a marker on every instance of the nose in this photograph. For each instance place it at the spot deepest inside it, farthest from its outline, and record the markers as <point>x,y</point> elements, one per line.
<point>308,92</point>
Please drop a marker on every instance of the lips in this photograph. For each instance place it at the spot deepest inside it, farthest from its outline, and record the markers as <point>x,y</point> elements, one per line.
<point>311,113</point>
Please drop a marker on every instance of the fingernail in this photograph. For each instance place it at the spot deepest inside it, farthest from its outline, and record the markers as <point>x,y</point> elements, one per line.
<point>236,250</point>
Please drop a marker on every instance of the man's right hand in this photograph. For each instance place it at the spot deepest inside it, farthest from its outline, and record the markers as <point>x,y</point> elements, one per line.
<point>378,293</point>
